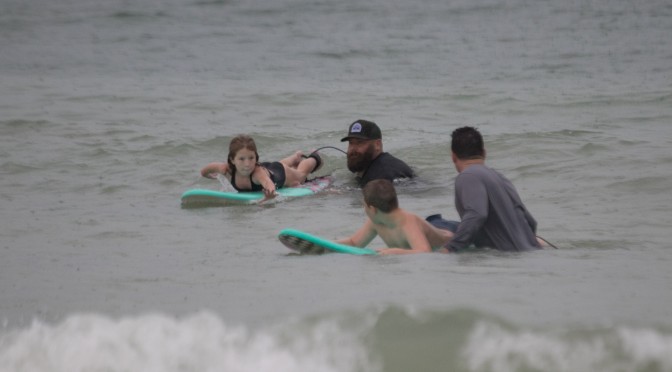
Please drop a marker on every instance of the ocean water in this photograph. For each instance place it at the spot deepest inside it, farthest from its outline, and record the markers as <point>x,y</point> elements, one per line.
<point>108,109</point>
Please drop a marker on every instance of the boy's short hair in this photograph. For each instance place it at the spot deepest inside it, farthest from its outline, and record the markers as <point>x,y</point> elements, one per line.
<point>381,194</point>
<point>467,143</point>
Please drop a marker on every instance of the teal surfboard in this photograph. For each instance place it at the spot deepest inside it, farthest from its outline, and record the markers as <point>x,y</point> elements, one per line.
<point>306,243</point>
<point>206,197</point>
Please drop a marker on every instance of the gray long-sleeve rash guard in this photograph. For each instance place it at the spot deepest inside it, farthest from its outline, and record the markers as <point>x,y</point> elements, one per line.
<point>492,213</point>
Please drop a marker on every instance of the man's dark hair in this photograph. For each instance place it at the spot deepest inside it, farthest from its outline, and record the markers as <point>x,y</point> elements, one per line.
<point>380,193</point>
<point>467,143</point>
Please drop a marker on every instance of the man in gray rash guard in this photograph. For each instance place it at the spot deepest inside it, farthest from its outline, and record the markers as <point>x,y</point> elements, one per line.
<point>491,212</point>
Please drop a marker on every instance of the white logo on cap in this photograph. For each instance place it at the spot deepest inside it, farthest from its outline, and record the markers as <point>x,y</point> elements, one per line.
<point>356,128</point>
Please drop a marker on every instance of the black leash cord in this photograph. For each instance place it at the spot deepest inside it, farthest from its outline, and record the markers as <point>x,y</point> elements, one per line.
<point>330,147</point>
<point>547,242</point>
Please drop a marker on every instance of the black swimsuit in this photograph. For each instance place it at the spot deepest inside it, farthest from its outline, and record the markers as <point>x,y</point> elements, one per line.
<point>276,171</point>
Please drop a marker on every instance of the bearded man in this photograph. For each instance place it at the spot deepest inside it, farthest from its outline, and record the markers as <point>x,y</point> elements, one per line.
<point>366,158</point>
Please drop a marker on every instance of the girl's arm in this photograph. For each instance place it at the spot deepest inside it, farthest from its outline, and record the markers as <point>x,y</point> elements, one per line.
<point>211,170</point>
<point>263,178</point>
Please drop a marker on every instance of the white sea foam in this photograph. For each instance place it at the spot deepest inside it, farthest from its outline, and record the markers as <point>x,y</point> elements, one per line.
<point>200,342</point>
<point>495,348</point>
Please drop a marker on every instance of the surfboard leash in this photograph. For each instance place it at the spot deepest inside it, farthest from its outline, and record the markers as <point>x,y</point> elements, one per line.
<point>330,147</point>
<point>547,242</point>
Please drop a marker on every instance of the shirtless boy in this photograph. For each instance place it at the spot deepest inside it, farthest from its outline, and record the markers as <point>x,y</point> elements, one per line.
<point>402,231</point>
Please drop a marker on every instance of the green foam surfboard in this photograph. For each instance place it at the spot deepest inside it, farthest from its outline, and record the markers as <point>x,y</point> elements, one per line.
<point>306,243</point>
<point>205,197</point>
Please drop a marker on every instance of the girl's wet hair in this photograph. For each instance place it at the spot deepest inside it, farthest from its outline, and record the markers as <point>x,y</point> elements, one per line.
<point>238,143</point>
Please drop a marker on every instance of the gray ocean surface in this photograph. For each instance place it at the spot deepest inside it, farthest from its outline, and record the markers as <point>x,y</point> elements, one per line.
<point>108,109</point>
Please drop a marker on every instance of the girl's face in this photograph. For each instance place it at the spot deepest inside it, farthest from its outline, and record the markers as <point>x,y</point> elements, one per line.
<point>245,161</point>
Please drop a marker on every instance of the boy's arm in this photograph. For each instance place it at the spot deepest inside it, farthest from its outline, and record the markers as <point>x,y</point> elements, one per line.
<point>362,237</point>
<point>213,169</point>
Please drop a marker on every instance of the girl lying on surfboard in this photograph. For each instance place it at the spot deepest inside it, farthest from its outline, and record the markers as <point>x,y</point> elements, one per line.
<point>245,172</point>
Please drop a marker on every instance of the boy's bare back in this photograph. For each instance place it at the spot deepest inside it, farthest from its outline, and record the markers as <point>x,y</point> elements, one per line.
<point>406,232</point>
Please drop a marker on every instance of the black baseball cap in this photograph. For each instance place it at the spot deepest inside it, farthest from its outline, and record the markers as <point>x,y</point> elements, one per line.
<point>363,129</point>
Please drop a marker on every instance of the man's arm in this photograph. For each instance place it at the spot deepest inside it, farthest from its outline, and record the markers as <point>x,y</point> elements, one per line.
<point>473,197</point>
<point>531,221</point>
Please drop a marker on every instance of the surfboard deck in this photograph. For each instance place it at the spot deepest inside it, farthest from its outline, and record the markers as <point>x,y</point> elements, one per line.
<point>211,198</point>
<point>306,243</point>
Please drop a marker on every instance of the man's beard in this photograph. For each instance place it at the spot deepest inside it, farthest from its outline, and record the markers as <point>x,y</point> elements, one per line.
<point>360,162</point>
